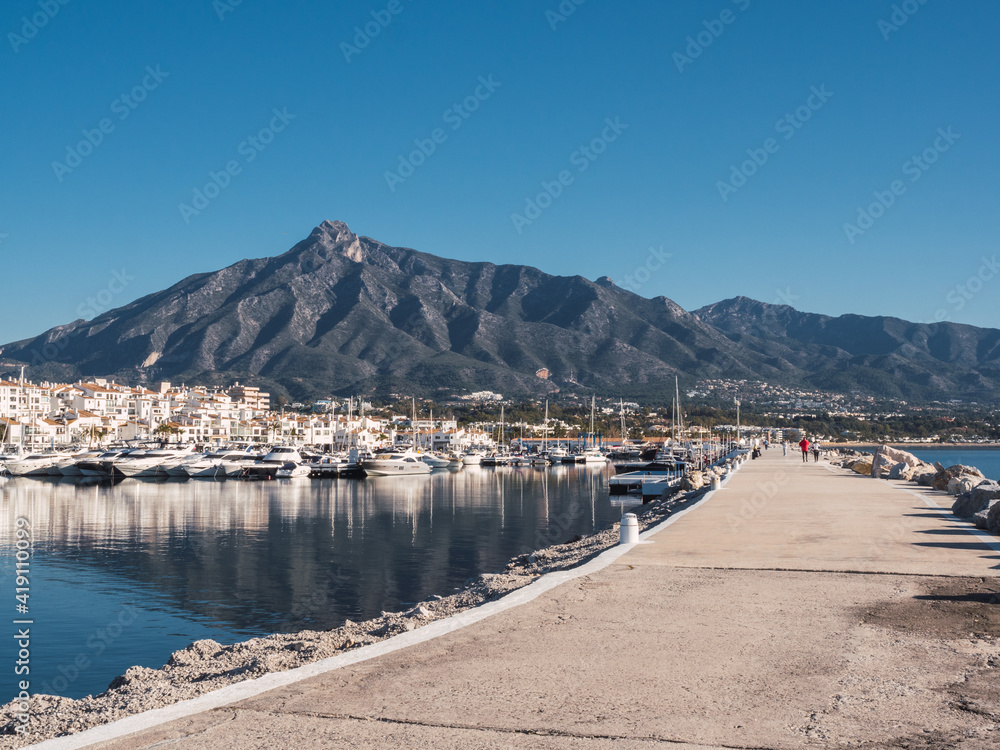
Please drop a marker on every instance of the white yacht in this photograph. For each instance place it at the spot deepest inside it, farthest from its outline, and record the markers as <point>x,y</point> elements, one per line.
<point>99,466</point>
<point>558,455</point>
<point>395,464</point>
<point>146,463</point>
<point>70,466</point>
<point>472,458</point>
<point>293,470</point>
<point>435,462</point>
<point>33,465</point>
<point>267,467</point>
<point>593,456</point>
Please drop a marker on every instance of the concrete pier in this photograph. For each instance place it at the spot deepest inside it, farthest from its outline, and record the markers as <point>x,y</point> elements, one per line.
<point>798,606</point>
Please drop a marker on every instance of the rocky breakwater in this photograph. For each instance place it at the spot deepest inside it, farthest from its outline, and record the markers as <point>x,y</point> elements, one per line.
<point>977,499</point>
<point>892,463</point>
<point>696,480</point>
<point>981,505</point>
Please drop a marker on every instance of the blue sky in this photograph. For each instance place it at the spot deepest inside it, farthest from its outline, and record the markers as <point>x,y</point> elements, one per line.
<point>703,189</point>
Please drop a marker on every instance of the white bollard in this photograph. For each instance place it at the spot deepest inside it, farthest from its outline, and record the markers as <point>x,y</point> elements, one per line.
<point>716,484</point>
<point>629,529</point>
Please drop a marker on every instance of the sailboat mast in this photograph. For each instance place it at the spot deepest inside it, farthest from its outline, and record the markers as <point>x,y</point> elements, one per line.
<point>545,428</point>
<point>680,421</point>
<point>593,401</point>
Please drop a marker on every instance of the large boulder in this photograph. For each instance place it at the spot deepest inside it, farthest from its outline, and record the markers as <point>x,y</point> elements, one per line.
<point>964,483</point>
<point>693,481</point>
<point>862,467</point>
<point>944,476</point>
<point>993,519</point>
<point>902,470</point>
<point>975,500</point>
<point>982,518</point>
<point>896,456</point>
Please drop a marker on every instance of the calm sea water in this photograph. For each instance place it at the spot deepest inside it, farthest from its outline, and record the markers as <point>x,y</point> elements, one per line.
<point>987,460</point>
<point>127,574</point>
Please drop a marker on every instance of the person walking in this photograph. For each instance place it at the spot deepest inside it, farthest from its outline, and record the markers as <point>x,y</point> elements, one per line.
<point>815,450</point>
<point>784,447</point>
<point>804,445</point>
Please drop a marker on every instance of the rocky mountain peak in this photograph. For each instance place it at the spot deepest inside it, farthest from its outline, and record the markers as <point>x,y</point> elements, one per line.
<point>337,237</point>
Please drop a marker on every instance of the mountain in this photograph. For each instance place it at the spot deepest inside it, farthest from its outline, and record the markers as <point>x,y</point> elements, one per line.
<point>339,313</point>
<point>879,356</point>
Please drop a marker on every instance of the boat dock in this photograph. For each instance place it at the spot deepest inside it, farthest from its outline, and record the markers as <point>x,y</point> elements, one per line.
<point>800,605</point>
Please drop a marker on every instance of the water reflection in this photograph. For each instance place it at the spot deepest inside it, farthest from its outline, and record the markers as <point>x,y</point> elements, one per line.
<point>233,559</point>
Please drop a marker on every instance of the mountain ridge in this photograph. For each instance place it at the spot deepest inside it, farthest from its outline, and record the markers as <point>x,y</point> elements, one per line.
<point>341,313</point>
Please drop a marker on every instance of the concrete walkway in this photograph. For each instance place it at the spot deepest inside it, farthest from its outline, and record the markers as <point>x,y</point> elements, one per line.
<point>798,606</point>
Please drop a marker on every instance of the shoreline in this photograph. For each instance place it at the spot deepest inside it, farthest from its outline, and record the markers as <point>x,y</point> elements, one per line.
<point>917,446</point>
<point>205,665</point>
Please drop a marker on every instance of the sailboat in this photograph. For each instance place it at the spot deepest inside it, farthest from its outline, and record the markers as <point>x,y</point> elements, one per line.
<point>592,454</point>
<point>499,457</point>
<point>543,457</point>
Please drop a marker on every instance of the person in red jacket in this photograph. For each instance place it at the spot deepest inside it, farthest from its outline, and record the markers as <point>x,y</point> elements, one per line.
<point>804,445</point>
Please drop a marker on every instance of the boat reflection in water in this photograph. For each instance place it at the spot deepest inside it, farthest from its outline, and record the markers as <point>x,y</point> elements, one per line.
<point>232,560</point>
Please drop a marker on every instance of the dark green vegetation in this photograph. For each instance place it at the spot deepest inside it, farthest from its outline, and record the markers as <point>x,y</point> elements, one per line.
<point>342,314</point>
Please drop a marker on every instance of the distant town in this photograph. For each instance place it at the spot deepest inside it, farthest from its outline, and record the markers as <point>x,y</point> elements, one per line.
<point>99,411</point>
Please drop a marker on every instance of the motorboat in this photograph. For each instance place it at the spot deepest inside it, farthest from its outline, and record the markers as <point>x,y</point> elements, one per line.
<point>70,467</point>
<point>293,470</point>
<point>557,454</point>
<point>472,458</point>
<point>434,461</point>
<point>395,464</point>
<point>210,465</point>
<point>99,466</point>
<point>146,463</point>
<point>327,466</point>
<point>496,459</point>
<point>593,456</point>
<point>267,467</point>
<point>33,465</point>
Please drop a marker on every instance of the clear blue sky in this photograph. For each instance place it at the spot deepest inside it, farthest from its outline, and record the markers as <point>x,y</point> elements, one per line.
<point>780,236</point>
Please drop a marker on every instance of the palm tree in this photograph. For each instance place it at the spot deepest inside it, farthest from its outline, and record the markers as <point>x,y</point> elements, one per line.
<point>166,430</point>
